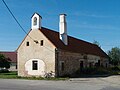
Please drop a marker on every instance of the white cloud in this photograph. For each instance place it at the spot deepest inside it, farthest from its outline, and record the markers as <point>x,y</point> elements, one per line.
<point>104,27</point>
<point>86,14</point>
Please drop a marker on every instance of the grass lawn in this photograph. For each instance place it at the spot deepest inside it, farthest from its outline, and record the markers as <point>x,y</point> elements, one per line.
<point>13,75</point>
<point>8,75</point>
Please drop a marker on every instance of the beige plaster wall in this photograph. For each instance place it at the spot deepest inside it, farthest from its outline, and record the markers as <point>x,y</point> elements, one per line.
<point>36,51</point>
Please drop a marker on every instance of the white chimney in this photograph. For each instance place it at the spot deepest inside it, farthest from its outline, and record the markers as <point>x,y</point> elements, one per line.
<point>63,29</point>
<point>36,21</point>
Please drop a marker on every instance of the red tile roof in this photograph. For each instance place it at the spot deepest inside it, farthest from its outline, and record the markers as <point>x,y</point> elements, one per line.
<point>74,44</point>
<point>11,55</point>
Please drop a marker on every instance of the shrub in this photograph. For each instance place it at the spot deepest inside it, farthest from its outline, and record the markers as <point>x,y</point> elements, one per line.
<point>4,71</point>
<point>116,68</point>
<point>94,71</point>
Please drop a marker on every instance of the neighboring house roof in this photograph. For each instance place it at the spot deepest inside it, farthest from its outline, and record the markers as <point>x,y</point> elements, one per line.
<point>74,44</point>
<point>11,55</point>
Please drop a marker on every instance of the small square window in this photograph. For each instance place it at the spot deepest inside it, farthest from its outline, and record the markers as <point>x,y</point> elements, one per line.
<point>27,43</point>
<point>34,65</point>
<point>41,43</point>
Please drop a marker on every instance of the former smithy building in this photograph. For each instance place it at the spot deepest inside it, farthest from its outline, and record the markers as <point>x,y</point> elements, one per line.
<point>56,52</point>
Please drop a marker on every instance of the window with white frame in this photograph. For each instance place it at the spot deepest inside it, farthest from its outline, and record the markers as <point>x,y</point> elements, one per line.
<point>34,65</point>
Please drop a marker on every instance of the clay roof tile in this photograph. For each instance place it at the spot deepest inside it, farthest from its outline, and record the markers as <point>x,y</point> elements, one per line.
<point>74,44</point>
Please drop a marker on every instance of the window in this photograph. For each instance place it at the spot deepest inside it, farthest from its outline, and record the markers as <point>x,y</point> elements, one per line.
<point>81,65</point>
<point>15,66</point>
<point>41,43</point>
<point>62,66</point>
<point>85,57</point>
<point>98,62</point>
<point>27,43</point>
<point>35,65</point>
<point>35,21</point>
<point>106,65</point>
<point>90,64</point>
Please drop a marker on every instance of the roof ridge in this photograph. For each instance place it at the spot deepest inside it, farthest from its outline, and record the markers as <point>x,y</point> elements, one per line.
<point>74,45</point>
<point>72,37</point>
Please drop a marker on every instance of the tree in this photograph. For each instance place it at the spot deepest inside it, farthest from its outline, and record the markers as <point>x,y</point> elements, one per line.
<point>114,55</point>
<point>96,43</point>
<point>4,62</point>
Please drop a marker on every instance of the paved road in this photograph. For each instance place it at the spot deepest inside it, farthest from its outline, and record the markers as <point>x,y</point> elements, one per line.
<point>73,84</point>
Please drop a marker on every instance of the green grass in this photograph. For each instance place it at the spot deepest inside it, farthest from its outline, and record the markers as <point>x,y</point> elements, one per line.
<point>13,75</point>
<point>8,75</point>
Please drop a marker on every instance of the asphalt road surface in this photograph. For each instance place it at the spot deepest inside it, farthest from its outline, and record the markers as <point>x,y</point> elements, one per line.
<point>73,84</point>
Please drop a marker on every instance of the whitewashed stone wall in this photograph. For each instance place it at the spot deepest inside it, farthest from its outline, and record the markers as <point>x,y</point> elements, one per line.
<point>36,51</point>
<point>72,61</point>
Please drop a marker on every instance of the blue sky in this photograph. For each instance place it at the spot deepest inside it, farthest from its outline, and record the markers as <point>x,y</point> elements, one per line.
<point>88,20</point>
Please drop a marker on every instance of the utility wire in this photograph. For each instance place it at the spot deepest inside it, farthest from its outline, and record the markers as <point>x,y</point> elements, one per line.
<point>24,29</point>
<point>21,25</point>
<point>15,19</point>
<point>49,49</point>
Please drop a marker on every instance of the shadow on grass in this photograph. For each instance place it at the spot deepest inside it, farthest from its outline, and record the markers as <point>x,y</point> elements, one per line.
<point>95,72</point>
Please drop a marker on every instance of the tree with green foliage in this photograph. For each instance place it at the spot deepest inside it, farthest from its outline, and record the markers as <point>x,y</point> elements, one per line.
<point>96,43</point>
<point>4,62</point>
<point>114,55</point>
